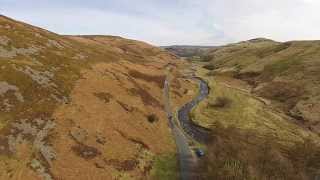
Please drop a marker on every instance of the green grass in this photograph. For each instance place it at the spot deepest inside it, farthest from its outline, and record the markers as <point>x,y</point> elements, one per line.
<point>245,112</point>
<point>254,139</point>
<point>251,140</point>
<point>165,167</point>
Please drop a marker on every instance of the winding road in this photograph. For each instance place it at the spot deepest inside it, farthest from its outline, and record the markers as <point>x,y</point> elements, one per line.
<point>198,133</point>
<point>186,157</point>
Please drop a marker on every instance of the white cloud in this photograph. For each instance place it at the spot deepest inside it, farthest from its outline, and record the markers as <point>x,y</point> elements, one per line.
<point>281,20</point>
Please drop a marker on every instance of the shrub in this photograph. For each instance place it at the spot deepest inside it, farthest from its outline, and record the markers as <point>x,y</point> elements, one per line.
<point>211,73</point>
<point>152,118</point>
<point>220,102</point>
<point>206,58</point>
<point>209,66</point>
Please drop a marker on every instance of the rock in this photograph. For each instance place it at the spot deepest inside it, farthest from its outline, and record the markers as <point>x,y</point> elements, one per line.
<point>40,169</point>
<point>6,87</point>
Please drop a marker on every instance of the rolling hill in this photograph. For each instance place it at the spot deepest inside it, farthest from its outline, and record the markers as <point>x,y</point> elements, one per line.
<point>285,73</point>
<point>83,107</point>
<point>263,109</point>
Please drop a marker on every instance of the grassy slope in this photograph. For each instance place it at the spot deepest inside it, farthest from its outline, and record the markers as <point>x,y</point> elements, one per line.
<point>286,73</point>
<point>251,139</point>
<point>113,84</point>
<point>246,112</point>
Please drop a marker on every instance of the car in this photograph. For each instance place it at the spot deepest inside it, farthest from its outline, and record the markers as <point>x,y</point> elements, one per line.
<point>199,152</point>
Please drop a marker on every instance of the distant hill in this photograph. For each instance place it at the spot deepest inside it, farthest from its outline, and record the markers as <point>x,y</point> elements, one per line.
<point>188,51</point>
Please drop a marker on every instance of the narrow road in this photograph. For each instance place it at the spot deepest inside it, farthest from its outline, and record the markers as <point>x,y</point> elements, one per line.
<point>198,133</point>
<point>186,157</point>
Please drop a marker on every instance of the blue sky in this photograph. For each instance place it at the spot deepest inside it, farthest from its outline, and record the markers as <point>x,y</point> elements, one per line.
<point>167,22</point>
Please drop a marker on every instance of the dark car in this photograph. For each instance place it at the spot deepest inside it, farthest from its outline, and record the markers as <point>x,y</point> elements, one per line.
<point>199,152</point>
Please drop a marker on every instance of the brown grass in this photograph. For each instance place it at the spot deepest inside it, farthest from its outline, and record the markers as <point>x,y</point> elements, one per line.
<point>239,155</point>
<point>158,79</point>
<point>286,93</point>
<point>126,165</point>
<point>145,96</point>
<point>79,67</point>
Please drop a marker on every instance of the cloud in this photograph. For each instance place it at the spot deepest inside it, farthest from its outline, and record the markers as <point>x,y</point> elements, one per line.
<point>280,20</point>
<point>163,22</point>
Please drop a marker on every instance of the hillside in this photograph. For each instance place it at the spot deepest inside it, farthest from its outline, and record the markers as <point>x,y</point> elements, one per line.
<point>83,107</point>
<point>285,73</point>
<point>263,109</point>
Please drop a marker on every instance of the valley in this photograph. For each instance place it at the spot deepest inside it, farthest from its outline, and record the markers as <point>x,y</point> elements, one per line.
<point>256,134</point>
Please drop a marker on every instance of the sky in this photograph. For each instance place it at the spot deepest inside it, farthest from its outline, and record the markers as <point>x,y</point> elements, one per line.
<point>173,22</point>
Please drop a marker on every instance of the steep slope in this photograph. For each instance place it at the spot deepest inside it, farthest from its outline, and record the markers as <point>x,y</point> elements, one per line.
<point>82,107</point>
<point>286,73</point>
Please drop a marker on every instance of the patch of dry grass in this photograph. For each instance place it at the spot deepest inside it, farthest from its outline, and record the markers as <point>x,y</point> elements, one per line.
<point>158,79</point>
<point>240,154</point>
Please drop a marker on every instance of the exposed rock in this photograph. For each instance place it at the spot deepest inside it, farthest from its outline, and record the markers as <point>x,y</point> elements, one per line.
<point>85,151</point>
<point>26,130</point>
<point>80,57</point>
<point>53,43</point>
<point>13,141</point>
<point>38,35</point>
<point>4,40</point>
<point>40,169</point>
<point>42,78</point>
<point>13,52</point>
<point>6,105</point>
<point>5,87</point>
<point>39,143</point>
<point>59,99</point>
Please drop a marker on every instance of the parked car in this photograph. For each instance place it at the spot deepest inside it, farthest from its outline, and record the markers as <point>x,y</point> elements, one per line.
<point>199,152</point>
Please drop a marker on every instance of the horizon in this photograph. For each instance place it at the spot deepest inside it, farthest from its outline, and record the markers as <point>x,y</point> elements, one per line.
<point>165,45</point>
<point>164,23</point>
